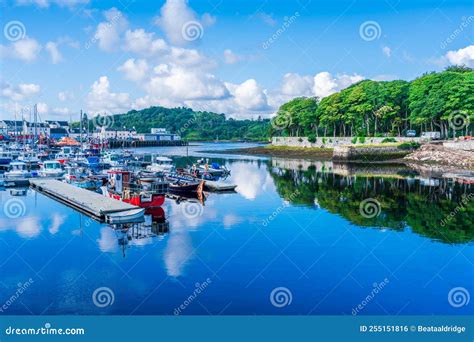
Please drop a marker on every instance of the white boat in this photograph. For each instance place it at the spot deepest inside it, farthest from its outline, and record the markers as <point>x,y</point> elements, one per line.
<point>214,169</point>
<point>65,154</point>
<point>17,170</point>
<point>133,215</point>
<point>161,164</point>
<point>51,168</point>
<point>5,157</point>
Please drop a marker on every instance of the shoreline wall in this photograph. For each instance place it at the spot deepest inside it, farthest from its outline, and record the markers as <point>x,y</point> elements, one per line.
<point>333,142</point>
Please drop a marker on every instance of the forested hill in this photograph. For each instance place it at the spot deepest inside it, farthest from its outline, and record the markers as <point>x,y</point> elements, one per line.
<point>441,101</point>
<point>192,125</point>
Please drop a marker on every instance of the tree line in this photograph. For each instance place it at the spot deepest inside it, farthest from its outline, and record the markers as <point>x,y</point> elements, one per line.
<point>441,102</point>
<point>191,125</point>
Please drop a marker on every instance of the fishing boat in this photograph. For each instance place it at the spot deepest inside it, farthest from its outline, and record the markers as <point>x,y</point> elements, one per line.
<point>51,168</point>
<point>184,188</point>
<point>214,168</point>
<point>64,155</point>
<point>17,170</point>
<point>78,177</point>
<point>143,194</point>
<point>181,184</point>
<point>161,164</point>
<point>6,157</point>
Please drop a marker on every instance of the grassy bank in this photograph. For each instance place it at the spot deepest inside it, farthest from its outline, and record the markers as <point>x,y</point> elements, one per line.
<point>284,151</point>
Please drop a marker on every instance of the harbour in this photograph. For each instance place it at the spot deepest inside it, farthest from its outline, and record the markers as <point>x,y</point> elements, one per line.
<point>231,237</point>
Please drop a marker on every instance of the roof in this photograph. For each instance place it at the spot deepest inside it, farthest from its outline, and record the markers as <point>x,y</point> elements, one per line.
<point>12,123</point>
<point>60,123</point>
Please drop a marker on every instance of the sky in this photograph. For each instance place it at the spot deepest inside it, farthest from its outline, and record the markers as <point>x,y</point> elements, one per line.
<point>241,58</point>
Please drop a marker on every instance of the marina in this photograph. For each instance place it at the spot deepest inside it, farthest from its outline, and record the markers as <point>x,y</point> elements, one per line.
<point>304,206</point>
<point>91,203</point>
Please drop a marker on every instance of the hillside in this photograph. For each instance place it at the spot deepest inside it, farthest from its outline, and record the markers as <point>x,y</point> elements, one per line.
<point>441,101</point>
<point>192,125</point>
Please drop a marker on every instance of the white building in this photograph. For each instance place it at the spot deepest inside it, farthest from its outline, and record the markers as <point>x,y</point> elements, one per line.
<point>158,134</point>
<point>115,134</point>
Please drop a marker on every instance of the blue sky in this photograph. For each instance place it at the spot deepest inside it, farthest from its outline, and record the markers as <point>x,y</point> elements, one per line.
<point>246,59</point>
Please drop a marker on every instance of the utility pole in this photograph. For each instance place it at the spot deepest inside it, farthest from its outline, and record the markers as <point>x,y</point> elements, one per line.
<point>80,128</point>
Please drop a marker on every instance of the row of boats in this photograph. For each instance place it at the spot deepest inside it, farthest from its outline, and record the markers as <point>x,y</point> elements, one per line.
<point>143,180</point>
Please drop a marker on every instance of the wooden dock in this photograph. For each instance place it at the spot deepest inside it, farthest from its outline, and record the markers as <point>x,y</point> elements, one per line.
<point>88,202</point>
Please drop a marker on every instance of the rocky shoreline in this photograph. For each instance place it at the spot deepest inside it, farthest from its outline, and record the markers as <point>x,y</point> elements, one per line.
<point>429,156</point>
<point>438,156</point>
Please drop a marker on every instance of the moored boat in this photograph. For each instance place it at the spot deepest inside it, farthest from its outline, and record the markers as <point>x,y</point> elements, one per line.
<point>51,168</point>
<point>121,187</point>
<point>17,170</point>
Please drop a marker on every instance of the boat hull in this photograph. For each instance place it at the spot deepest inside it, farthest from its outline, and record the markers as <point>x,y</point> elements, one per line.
<point>138,200</point>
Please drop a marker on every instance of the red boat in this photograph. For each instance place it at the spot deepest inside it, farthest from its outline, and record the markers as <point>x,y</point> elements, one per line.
<point>142,194</point>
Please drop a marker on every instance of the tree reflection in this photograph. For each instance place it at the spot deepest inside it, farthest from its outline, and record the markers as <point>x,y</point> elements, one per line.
<point>436,208</point>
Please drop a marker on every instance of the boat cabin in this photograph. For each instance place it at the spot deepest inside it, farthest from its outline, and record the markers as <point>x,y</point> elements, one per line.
<point>119,180</point>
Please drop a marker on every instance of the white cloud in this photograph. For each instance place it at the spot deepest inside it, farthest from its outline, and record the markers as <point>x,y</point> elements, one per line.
<point>100,99</point>
<point>56,222</point>
<point>267,18</point>
<point>296,85</point>
<point>19,92</point>
<point>175,14</point>
<point>108,32</point>
<point>325,84</point>
<point>230,57</point>
<point>208,19</point>
<point>65,96</point>
<point>250,96</point>
<point>387,51</point>
<point>182,84</point>
<point>462,56</point>
<point>134,70</point>
<point>141,42</point>
<point>26,49</point>
<point>54,53</point>
<point>42,108</point>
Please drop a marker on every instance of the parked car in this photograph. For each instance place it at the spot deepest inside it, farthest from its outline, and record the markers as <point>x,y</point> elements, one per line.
<point>410,133</point>
<point>431,135</point>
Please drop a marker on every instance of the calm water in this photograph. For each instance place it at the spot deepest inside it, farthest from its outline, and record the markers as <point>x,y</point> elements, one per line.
<point>293,228</point>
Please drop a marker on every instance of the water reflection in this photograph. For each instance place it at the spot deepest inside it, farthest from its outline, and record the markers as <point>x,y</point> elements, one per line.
<point>124,236</point>
<point>438,208</point>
